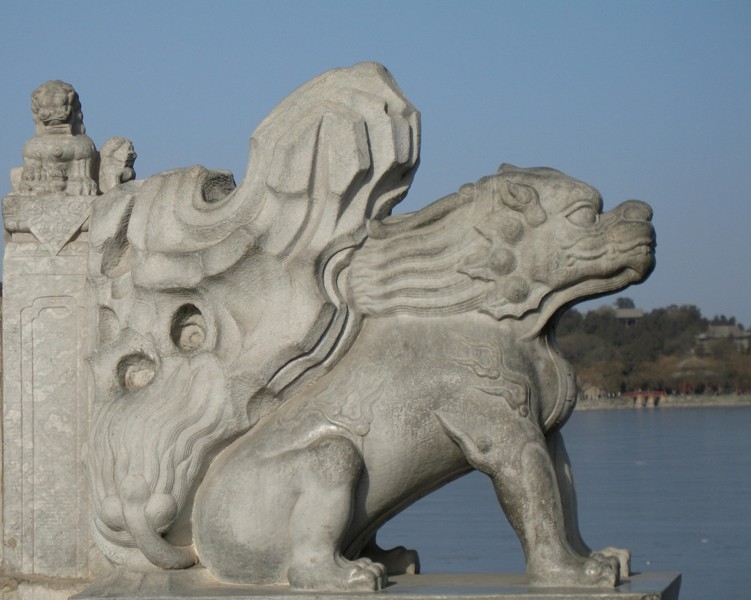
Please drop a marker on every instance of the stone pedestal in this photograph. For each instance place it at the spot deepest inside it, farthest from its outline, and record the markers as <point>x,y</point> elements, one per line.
<point>45,387</point>
<point>196,583</point>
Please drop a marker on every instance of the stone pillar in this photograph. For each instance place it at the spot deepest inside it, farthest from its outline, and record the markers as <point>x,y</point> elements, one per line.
<point>46,335</point>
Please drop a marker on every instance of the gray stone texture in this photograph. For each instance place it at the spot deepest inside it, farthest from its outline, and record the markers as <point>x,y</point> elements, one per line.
<point>475,586</point>
<point>45,409</point>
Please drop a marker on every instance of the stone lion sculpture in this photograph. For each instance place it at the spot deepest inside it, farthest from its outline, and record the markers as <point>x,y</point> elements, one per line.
<point>284,365</point>
<point>116,159</point>
<point>60,158</point>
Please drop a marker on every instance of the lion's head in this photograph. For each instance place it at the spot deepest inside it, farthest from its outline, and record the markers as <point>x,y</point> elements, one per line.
<point>56,103</point>
<point>519,244</point>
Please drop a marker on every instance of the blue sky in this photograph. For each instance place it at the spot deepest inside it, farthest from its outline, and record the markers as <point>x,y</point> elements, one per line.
<point>642,99</point>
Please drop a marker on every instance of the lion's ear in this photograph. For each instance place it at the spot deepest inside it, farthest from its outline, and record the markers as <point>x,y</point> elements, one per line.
<point>524,199</point>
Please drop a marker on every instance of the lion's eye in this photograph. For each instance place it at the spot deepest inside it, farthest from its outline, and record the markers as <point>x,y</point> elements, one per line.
<point>583,216</point>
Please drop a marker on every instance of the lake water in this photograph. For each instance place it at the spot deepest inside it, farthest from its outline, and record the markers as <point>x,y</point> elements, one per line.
<point>673,485</point>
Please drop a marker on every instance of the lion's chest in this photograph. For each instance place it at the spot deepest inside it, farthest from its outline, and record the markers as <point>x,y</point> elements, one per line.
<point>556,383</point>
<point>528,375</point>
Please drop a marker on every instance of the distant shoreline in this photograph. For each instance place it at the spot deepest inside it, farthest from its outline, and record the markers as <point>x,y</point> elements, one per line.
<point>702,401</point>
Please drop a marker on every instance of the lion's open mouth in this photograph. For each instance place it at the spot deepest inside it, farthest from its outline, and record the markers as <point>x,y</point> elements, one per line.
<point>641,262</point>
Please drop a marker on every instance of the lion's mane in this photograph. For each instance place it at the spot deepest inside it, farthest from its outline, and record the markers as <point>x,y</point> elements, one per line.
<point>167,442</point>
<point>457,255</point>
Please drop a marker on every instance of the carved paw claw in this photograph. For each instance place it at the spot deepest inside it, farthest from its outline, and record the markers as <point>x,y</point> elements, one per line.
<point>596,571</point>
<point>358,575</point>
<point>397,561</point>
<point>622,555</point>
<point>601,571</point>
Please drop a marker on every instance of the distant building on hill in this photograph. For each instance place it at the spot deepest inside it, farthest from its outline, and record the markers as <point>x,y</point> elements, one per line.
<point>628,316</point>
<point>592,392</point>
<point>717,334</point>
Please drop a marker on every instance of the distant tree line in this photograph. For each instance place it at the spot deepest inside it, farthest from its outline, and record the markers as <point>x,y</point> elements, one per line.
<point>658,351</point>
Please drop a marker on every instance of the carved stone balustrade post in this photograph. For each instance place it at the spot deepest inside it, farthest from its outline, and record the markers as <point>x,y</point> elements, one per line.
<point>47,331</point>
<point>45,389</point>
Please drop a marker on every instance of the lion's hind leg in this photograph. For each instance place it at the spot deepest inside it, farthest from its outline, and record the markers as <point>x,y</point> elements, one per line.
<point>320,518</point>
<point>397,561</point>
<point>276,518</point>
<point>241,514</point>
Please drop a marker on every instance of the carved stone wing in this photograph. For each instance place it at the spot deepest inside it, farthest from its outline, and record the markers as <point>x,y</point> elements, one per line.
<point>338,151</point>
<point>214,301</point>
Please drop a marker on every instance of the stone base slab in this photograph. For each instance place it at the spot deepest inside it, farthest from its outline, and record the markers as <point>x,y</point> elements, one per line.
<point>196,584</point>
<point>39,588</point>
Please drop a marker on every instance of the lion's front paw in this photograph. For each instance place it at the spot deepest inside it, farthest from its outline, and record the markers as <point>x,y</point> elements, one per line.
<point>574,571</point>
<point>622,555</point>
<point>340,574</point>
<point>602,571</point>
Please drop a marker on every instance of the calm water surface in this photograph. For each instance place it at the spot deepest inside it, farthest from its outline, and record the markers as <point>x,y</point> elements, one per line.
<point>673,485</point>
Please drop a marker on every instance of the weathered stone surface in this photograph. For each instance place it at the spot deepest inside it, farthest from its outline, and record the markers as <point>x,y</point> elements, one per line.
<point>40,588</point>
<point>282,366</point>
<point>191,584</point>
<point>45,410</point>
<point>52,220</point>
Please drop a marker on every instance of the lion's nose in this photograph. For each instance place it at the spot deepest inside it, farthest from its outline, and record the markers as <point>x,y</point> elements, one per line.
<point>635,210</point>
